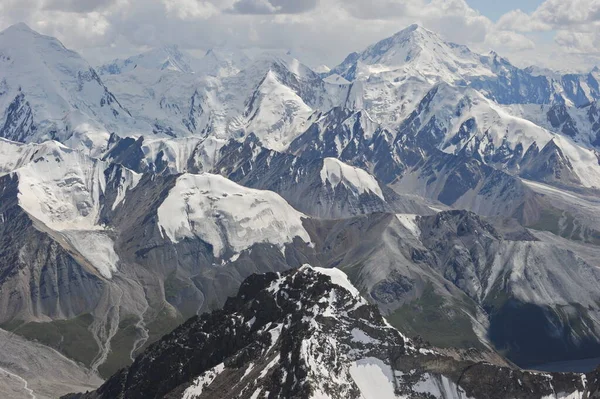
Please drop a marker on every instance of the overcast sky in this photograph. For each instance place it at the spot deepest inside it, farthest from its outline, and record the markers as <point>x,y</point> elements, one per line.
<point>561,34</point>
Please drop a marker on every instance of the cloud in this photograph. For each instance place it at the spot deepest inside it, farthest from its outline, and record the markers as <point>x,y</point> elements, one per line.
<point>575,25</point>
<point>453,19</point>
<point>517,20</point>
<point>329,29</point>
<point>78,6</point>
<point>254,7</point>
<point>554,15</point>
<point>191,9</point>
<point>272,6</point>
<point>560,13</point>
<point>383,9</point>
<point>509,41</point>
<point>579,42</point>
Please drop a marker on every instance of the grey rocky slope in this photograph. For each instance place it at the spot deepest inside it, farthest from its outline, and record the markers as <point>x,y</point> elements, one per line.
<point>29,369</point>
<point>308,334</point>
<point>461,281</point>
<point>174,246</point>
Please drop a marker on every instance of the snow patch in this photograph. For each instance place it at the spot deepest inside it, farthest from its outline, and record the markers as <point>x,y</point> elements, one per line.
<point>374,378</point>
<point>338,277</point>
<point>97,248</point>
<point>440,387</point>
<point>202,382</point>
<point>362,337</point>
<point>410,223</point>
<point>227,215</point>
<point>336,172</point>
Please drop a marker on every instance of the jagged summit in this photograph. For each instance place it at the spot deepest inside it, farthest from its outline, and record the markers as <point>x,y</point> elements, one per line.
<point>412,28</point>
<point>414,51</point>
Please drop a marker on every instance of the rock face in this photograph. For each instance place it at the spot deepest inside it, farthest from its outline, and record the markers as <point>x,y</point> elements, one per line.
<point>170,246</point>
<point>307,333</point>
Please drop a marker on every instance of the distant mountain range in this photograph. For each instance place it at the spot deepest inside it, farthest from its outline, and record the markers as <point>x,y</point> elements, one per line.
<point>457,192</point>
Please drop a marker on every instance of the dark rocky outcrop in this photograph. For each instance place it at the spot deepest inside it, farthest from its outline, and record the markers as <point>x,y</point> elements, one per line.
<point>296,334</point>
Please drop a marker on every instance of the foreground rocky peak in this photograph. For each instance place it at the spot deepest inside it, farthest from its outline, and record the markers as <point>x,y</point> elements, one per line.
<point>307,333</point>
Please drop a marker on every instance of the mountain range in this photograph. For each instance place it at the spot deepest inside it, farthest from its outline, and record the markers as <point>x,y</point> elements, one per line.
<point>456,191</point>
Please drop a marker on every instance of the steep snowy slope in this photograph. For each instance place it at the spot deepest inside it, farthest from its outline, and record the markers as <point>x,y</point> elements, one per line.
<point>272,97</point>
<point>68,192</point>
<point>308,334</point>
<point>50,92</point>
<point>462,120</point>
<point>579,89</point>
<point>221,62</point>
<point>174,156</point>
<point>335,172</point>
<point>582,124</point>
<point>169,101</point>
<point>276,112</point>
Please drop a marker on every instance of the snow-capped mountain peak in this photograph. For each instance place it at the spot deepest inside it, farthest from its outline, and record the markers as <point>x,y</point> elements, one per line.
<point>221,62</point>
<point>414,51</point>
<point>51,92</point>
<point>21,27</point>
<point>335,172</point>
<point>165,58</point>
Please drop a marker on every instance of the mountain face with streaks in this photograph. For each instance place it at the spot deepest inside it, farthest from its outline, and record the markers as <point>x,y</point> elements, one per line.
<point>51,93</point>
<point>456,191</point>
<point>272,97</point>
<point>309,334</point>
<point>169,58</point>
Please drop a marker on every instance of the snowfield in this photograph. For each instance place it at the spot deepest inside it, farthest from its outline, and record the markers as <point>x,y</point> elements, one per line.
<point>227,215</point>
<point>335,172</point>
